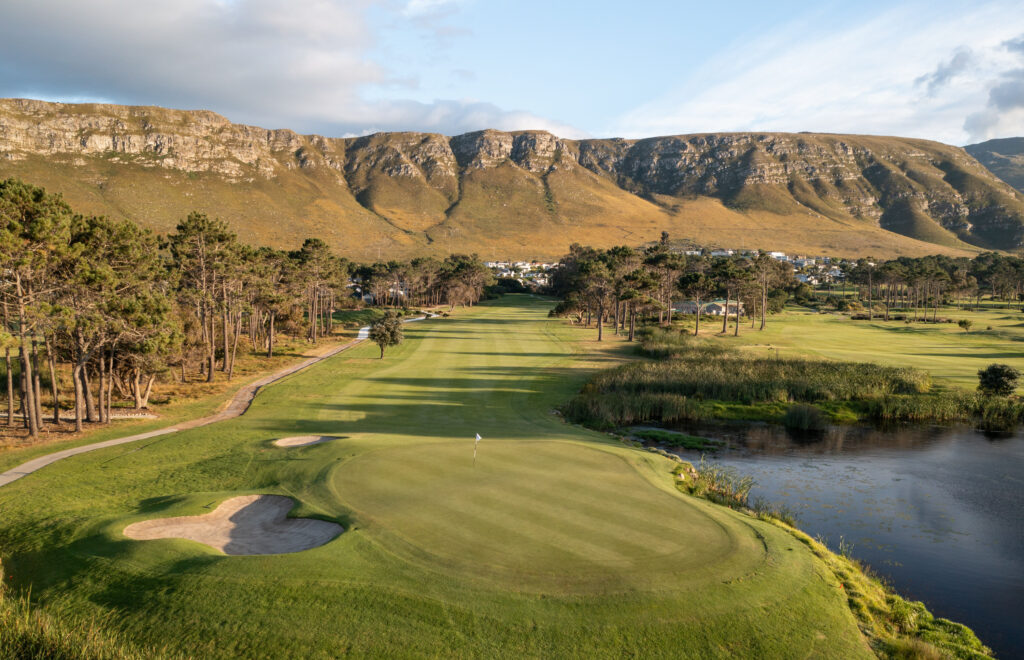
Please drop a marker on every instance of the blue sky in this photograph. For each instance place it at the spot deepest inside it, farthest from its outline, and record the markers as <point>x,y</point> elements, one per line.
<point>950,71</point>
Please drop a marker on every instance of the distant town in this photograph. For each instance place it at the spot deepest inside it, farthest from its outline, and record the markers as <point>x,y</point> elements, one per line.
<point>811,270</point>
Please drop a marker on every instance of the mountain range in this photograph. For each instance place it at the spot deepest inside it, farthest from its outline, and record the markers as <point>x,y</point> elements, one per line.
<point>523,194</point>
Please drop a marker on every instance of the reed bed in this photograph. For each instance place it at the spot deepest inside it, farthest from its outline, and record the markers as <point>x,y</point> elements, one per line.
<point>688,379</point>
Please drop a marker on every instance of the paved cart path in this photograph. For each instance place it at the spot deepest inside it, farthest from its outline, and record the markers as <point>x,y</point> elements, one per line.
<point>235,408</point>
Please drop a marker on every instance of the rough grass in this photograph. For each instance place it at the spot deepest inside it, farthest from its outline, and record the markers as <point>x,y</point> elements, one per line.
<point>560,541</point>
<point>28,634</point>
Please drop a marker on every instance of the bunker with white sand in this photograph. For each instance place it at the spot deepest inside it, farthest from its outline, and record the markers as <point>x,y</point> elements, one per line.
<point>303,440</point>
<point>244,525</point>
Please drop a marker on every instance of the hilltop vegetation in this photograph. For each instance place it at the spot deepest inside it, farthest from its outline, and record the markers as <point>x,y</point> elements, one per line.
<point>524,194</point>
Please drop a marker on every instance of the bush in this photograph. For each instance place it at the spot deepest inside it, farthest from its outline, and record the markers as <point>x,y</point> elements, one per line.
<point>805,417</point>
<point>998,380</point>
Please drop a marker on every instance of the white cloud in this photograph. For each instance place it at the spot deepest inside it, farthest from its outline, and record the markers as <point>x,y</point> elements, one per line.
<point>305,64</point>
<point>1004,113</point>
<point>860,79</point>
<point>422,7</point>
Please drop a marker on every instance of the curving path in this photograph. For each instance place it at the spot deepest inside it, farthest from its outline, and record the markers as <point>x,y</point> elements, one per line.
<point>235,408</point>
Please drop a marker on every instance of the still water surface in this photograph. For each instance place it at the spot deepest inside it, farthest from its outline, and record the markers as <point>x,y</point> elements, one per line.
<point>939,512</point>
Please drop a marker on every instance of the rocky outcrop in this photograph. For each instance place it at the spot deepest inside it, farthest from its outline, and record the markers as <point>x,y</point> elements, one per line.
<point>922,189</point>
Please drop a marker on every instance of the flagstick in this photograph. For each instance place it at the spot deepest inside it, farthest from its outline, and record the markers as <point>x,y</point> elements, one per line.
<point>476,444</point>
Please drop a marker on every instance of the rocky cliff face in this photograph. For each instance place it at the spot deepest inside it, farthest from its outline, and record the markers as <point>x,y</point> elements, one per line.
<point>413,184</point>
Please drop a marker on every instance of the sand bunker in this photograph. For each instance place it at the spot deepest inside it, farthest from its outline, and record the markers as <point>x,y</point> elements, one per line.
<point>246,525</point>
<point>303,440</point>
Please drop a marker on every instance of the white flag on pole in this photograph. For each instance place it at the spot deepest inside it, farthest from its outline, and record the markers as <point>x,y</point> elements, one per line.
<point>478,439</point>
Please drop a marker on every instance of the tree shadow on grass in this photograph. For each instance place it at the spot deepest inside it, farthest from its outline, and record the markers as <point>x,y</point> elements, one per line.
<point>1013,355</point>
<point>489,397</point>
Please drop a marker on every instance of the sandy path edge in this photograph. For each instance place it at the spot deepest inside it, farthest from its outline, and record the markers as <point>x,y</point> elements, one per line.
<point>235,407</point>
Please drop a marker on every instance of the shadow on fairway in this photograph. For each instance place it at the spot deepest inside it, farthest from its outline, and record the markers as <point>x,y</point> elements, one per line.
<point>419,406</point>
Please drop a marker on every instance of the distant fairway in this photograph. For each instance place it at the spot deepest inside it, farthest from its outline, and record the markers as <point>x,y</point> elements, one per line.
<point>560,542</point>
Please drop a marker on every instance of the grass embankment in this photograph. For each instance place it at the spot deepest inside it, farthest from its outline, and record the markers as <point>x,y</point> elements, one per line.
<point>898,628</point>
<point>560,541</point>
<point>26,633</point>
<point>694,379</point>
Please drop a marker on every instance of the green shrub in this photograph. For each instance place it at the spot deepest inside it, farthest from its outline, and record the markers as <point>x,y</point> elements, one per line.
<point>998,380</point>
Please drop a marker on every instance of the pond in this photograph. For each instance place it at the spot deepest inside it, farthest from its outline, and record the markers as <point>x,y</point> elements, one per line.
<point>939,512</point>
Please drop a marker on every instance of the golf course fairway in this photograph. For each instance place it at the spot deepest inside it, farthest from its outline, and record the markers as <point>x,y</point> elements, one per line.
<point>558,542</point>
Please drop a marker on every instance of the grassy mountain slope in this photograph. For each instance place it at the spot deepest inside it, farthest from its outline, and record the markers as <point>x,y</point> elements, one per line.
<point>524,194</point>
<point>1004,158</point>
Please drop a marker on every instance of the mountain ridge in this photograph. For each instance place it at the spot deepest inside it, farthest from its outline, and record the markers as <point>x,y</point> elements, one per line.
<point>1004,157</point>
<point>519,193</point>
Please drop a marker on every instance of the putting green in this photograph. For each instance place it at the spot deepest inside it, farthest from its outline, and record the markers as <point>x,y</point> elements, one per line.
<point>558,542</point>
<point>541,516</point>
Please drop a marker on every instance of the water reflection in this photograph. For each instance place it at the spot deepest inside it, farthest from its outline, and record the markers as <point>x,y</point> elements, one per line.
<point>937,511</point>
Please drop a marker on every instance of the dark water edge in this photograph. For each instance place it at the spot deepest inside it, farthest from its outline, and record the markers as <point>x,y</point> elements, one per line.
<point>938,512</point>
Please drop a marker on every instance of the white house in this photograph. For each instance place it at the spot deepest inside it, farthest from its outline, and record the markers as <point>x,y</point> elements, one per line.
<point>717,308</point>
<point>713,308</point>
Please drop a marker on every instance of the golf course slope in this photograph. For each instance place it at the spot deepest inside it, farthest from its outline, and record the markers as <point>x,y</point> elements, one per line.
<point>559,542</point>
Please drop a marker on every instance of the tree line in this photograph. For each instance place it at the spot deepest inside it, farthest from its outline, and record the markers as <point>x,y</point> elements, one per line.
<point>622,284</point>
<point>122,306</point>
<point>923,284</point>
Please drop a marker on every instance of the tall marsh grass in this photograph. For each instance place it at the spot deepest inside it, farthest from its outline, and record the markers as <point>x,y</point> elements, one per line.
<point>990,413</point>
<point>688,374</point>
<point>735,377</point>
